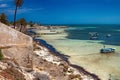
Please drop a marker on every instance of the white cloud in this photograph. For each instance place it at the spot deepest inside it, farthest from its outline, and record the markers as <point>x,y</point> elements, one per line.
<point>22,10</point>
<point>3,5</point>
<point>29,10</point>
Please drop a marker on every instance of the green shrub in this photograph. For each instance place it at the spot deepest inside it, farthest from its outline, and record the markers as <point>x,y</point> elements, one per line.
<point>1,55</point>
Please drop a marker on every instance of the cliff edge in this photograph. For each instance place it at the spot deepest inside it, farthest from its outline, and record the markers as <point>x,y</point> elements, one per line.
<point>15,45</point>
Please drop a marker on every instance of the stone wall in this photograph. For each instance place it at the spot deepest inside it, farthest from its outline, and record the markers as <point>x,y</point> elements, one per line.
<point>16,44</point>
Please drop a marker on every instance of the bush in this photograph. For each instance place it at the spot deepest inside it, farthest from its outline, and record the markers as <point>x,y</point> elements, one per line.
<point>1,55</point>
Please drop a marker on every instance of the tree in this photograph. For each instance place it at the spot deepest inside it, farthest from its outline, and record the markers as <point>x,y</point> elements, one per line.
<point>3,19</point>
<point>23,24</point>
<point>31,24</point>
<point>18,4</point>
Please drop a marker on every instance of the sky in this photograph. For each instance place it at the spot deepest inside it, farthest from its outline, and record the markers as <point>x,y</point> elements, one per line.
<point>65,11</point>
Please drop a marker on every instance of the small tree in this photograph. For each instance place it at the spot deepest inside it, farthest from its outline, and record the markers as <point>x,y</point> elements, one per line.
<point>31,24</point>
<point>23,24</point>
<point>3,19</point>
<point>1,55</point>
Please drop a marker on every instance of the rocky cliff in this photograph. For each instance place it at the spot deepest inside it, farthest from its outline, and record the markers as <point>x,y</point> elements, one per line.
<point>15,44</point>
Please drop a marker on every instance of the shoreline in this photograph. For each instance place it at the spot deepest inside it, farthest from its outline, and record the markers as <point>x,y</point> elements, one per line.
<point>65,58</point>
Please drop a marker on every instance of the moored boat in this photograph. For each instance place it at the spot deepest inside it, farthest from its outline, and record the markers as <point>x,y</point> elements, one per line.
<point>107,50</point>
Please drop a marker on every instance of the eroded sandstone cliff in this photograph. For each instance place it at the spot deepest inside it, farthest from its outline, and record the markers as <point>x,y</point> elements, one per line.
<point>15,44</point>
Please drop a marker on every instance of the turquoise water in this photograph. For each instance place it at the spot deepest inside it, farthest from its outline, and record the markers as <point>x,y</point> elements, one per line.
<point>75,42</point>
<point>81,33</point>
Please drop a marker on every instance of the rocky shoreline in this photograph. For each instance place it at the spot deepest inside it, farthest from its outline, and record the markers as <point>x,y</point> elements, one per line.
<point>46,65</point>
<point>87,75</point>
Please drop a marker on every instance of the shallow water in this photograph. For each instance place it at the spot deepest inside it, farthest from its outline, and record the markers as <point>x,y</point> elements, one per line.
<point>84,52</point>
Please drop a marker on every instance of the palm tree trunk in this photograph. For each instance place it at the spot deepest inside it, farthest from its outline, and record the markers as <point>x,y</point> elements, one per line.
<point>15,17</point>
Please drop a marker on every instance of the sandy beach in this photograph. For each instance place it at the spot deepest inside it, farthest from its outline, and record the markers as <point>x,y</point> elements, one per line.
<point>86,53</point>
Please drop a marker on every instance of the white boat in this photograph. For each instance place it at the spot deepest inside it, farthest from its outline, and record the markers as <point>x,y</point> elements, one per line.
<point>107,50</point>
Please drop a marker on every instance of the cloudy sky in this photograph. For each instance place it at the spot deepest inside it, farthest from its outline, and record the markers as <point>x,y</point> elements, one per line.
<point>65,11</point>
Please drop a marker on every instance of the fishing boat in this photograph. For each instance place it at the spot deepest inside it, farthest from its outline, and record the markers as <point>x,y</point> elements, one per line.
<point>107,50</point>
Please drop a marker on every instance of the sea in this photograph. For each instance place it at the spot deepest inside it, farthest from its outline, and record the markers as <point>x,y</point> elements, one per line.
<point>75,41</point>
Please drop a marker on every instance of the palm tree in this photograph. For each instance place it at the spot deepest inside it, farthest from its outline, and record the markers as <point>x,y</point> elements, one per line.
<point>18,4</point>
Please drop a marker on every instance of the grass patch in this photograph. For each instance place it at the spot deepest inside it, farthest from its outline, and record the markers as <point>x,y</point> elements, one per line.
<point>1,55</point>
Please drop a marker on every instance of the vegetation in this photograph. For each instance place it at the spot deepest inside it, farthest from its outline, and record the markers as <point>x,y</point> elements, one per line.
<point>31,24</point>
<point>1,55</point>
<point>23,24</point>
<point>4,19</point>
<point>18,4</point>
